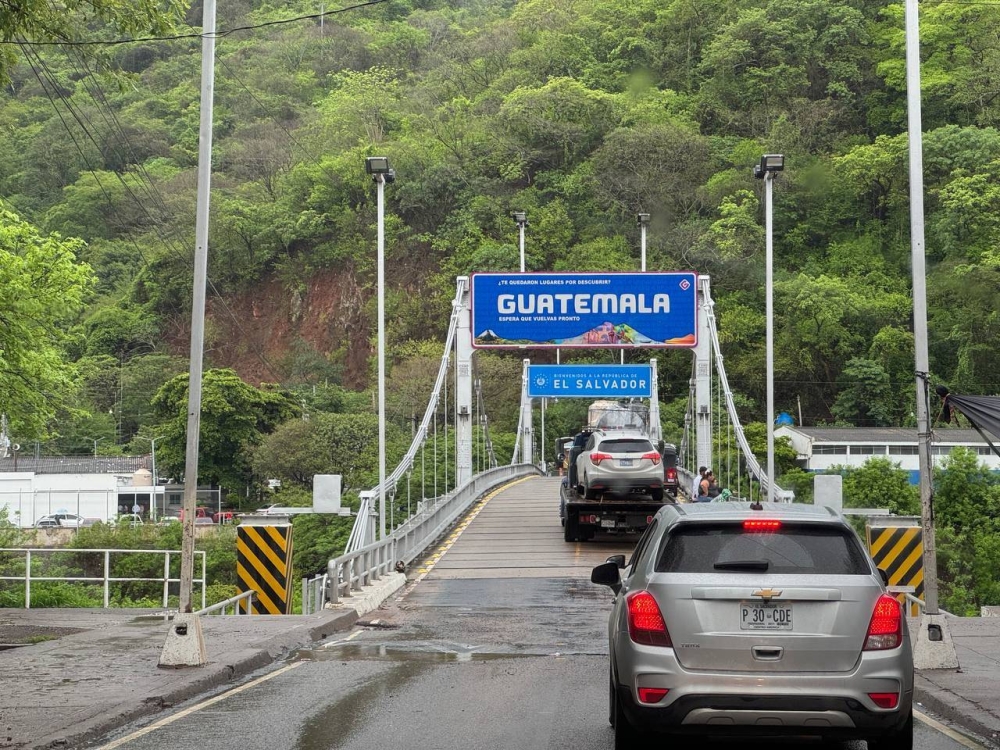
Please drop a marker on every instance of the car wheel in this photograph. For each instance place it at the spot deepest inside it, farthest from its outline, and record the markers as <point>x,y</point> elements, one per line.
<point>657,496</point>
<point>588,493</point>
<point>901,740</point>
<point>627,737</point>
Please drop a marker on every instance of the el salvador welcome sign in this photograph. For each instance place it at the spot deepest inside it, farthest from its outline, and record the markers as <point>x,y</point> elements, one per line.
<point>546,310</point>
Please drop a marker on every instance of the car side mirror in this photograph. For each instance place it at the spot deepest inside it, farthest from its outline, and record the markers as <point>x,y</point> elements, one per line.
<point>607,574</point>
<point>884,576</point>
<point>618,560</point>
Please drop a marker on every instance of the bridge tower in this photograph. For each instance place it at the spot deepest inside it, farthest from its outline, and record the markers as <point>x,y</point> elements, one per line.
<point>463,384</point>
<point>702,383</point>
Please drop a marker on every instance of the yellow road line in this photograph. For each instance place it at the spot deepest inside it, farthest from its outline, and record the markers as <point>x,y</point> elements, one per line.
<point>447,543</point>
<point>961,739</point>
<point>204,704</point>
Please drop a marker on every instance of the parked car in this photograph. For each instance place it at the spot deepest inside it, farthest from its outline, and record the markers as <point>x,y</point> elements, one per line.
<point>619,461</point>
<point>224,516</point>
<point>733,619</point>
<point>70,520</point>
<point>203,521</point>
<point>168,521</point>
<point>129,519</point>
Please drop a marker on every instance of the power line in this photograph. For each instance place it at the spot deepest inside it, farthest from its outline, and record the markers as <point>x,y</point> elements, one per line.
<point>80,118</point>
<point>216,35</point>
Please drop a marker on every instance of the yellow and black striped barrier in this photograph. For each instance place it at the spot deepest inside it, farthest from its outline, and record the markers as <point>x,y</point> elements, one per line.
<point>898,549</point>
<point>264,564</point>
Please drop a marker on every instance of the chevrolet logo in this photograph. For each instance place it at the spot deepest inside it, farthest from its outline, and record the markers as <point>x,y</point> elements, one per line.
<point>767,594</point>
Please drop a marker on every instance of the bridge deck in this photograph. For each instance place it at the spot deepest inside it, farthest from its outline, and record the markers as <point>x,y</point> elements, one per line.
<point>516,534</point>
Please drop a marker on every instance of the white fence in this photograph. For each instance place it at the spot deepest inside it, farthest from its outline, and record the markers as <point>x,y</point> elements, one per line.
<point>106,579</point>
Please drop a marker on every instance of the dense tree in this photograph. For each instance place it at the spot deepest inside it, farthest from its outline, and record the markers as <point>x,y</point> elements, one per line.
<point>42,288</point>
<point>234,418</point>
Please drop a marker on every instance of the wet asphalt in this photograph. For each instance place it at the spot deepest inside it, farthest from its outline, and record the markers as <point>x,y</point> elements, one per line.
<point>500,645</point>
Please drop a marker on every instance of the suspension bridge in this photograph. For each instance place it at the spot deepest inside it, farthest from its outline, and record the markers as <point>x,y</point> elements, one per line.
<point>451,462</point>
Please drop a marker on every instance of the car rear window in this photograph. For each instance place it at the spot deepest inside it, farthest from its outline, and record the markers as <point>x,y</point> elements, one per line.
<point>624,445</point>
<point>817,550</point>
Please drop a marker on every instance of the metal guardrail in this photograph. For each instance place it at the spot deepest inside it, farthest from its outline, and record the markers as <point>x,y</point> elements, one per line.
<point>918,602</point>
<point>245,599</point>
<point>351,571</point>
<point>106,579</point>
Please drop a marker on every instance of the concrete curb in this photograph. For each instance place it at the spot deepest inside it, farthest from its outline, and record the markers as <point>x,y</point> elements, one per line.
<point>956,709</point>
<point>371,597</point>
<point>203,679</point>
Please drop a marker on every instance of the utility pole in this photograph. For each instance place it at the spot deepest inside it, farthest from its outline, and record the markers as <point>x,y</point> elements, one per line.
<point>185,644</point>
<point>934,648</point>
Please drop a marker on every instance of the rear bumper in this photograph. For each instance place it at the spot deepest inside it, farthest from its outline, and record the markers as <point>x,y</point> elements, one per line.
<point>767,716</point>
<point>836,705</point>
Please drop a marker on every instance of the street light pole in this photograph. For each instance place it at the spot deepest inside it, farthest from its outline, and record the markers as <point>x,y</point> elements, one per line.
<point>95,442</point>
<point>643,221</point>
<point>521,218</point>
<point>378,168</point>
<point>769,165</point>
<point>934,648</point>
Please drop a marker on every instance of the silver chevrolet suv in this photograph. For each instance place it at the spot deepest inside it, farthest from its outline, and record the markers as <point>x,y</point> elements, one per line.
<point>737,619</point>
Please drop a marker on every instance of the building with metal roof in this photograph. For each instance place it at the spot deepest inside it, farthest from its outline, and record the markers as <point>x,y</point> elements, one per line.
<point>822,448</point>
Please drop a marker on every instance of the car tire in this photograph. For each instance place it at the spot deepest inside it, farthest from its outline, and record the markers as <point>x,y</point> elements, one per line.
<point>901,740</point>
<point>657,496</point>
<point>627,737</point>
<point>588,494</point>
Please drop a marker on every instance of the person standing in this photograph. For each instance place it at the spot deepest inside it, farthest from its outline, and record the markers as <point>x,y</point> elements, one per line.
<point>696,490</point>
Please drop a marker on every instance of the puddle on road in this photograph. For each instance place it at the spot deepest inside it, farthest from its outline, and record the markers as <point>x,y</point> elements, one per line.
<point>352,711</point>
<point>410,654</point>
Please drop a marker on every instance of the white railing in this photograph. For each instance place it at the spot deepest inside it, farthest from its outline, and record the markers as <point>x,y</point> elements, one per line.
<point>106,579</point>
<point>362,567</point>
<point>919,603</point>
<point>241,604</point>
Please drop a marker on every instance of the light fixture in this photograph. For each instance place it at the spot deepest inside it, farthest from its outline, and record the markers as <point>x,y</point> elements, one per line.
<point>769,163</point>
<point>377,165</point>
<point>642,219</point>
<point>520,218</point>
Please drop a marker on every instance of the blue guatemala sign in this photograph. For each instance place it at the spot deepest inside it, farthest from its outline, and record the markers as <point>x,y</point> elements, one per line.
<point>591,381</point>
<point>602,310</point>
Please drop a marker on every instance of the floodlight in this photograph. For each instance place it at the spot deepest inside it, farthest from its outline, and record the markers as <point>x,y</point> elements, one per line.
<point>377,165</point>
<point>642,219</point>
<point>521,218</point>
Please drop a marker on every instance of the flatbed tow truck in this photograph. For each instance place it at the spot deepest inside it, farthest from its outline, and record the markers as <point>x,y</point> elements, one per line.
<point>609,513</point>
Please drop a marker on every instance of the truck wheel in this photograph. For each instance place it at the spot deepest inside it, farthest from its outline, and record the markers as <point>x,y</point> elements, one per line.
<point>570,529</point>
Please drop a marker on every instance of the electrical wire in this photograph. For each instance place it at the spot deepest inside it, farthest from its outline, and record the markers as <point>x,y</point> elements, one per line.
<point>193,35</point>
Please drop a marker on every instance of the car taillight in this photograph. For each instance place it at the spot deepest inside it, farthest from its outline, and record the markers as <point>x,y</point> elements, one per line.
<point>654,457</point>
<point>672,474</point>
<point>653,695</point>
<point>885,631</point>
<point>596,458</point>
<point>645,623</point>
<point>762,525</point>
<point>885,700</point>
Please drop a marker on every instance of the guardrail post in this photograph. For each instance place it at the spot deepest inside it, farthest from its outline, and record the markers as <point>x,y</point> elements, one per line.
<point>27,579</point>
<point>107,576</point>
<point>166,579</point>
